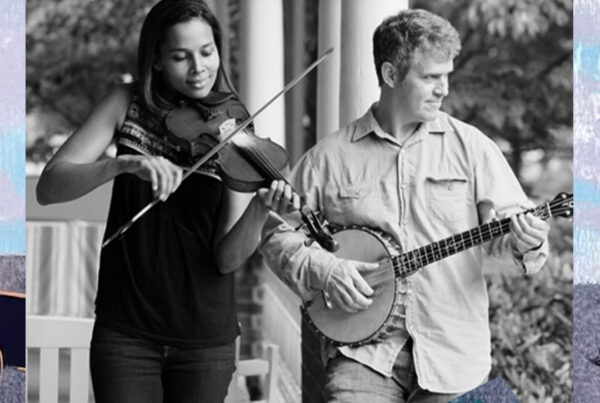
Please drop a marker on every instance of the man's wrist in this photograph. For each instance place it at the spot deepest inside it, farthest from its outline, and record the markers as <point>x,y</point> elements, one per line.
<point>535,248</point>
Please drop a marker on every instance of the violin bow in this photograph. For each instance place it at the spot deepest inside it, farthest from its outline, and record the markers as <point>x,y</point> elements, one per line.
<point>122,229</point>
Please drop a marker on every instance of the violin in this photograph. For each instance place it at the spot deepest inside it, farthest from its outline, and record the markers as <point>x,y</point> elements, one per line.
<point>246,162</point>
<point>206,129</point>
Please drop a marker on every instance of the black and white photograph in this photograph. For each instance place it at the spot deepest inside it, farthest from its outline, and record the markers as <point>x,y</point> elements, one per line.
<point>299,200</point>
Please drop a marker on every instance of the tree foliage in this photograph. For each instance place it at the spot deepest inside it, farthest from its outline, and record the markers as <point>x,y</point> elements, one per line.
<point>513,78</point>
<point>531,320</point>
<point>76,49</point>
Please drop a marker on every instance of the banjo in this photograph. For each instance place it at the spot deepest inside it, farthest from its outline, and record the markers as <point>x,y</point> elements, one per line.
<point>358,243</point>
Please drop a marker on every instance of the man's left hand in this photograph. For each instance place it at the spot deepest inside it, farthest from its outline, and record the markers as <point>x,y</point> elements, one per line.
<point>528,232</point>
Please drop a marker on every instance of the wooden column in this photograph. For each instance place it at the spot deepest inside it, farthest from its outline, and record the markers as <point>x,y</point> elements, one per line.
<point>261,67</point>
<point>261,77</point>
<point>296,61</point>
<point>328,81</point>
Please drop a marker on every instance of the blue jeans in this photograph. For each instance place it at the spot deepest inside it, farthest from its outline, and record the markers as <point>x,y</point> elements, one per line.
<point>126,369</point>
<point>349,381</point>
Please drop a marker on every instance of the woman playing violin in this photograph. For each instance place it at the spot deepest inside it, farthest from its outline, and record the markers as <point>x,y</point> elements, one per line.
<point>165,314</point>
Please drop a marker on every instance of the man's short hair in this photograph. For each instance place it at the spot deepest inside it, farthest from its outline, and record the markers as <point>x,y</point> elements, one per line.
<point>398,37</point>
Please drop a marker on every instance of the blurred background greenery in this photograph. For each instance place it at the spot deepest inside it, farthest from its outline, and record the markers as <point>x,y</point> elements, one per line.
<point>513,80</point>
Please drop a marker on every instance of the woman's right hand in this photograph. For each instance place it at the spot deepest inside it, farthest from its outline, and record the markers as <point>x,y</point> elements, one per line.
<point>164,176</point>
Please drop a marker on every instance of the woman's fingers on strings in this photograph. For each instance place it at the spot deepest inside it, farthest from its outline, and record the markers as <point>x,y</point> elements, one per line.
<point>271,196</point>
<point>278,195</point>
<point>292,199</point>
<point>282,198</point>
<point>287,194</point>
<point>289,200</point>
<point>295,202</point>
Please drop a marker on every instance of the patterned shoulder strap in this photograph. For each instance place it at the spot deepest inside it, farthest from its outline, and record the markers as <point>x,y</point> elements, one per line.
<point>145,133</point>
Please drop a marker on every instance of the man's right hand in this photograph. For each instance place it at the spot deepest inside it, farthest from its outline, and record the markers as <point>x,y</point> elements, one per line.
<point>346,287</point>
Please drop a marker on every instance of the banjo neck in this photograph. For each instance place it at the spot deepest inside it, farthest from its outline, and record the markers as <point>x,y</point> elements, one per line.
<point>409,262</point>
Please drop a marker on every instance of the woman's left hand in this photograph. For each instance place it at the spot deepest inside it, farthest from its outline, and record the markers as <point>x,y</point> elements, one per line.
<point>279,197</point>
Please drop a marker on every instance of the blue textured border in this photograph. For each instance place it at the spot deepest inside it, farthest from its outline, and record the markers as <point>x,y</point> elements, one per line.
<point>586,141</point>
<point>12,127</point>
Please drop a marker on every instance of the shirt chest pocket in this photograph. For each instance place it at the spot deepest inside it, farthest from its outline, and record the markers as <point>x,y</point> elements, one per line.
<point>355,204</point>
<point>447,197</point>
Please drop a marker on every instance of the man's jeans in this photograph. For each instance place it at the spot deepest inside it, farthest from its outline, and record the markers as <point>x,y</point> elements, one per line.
<point>349,381</point>
<point>126,369</point>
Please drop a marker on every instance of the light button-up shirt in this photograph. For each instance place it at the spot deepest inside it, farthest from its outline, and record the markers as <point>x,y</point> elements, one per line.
<point>442,181</point>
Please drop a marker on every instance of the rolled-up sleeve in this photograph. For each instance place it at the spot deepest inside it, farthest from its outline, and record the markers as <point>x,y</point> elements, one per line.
<point>303,265</point>
<point>530,262</point>
<point>533,261</point>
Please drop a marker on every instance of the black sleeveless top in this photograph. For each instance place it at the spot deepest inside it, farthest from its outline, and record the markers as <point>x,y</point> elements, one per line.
<point>160,282</point>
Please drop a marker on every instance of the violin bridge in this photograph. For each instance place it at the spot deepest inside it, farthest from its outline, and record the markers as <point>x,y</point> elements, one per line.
<point>227,127</point>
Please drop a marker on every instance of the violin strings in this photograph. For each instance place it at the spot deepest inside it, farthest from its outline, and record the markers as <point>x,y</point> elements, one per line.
<point>259,158</point>
<point>264,163</point>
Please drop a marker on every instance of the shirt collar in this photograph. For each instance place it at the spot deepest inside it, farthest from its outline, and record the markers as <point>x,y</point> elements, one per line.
<point>367,124</point>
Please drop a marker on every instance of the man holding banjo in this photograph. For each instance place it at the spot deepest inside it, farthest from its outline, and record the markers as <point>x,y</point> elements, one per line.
<point>406,174</point>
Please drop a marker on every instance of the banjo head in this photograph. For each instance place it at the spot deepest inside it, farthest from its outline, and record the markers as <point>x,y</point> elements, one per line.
<point>345,328</point>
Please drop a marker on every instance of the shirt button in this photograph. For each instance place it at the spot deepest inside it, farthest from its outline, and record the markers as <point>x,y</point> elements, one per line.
<point>403,186</point>
<point>405,222</point>
<point>450,187</point>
